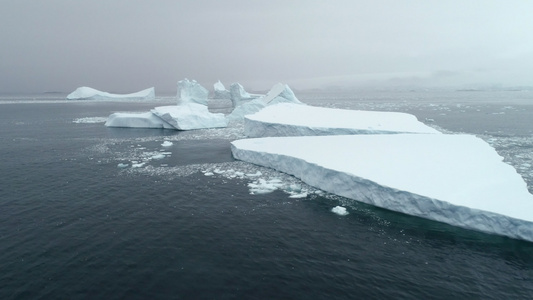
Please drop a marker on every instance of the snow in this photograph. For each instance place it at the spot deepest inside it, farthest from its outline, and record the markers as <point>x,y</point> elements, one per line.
<point>190,91</point>
<point>87,93</point>
<point>455,179</point>
<point>136,120</point>
<point>290,119</point>
<point>339,210</point>
<point>190,116</point>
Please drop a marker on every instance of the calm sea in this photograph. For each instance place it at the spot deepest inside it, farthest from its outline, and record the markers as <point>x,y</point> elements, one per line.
<point>90,212</point>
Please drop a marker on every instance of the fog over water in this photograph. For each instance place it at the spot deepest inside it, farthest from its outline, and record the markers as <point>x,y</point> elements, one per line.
<point>125,46</point>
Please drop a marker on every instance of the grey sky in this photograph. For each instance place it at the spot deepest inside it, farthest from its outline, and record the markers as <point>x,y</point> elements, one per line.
<point>127,45</point>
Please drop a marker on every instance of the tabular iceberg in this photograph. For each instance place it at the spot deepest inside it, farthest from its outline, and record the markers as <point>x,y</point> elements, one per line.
<point>455,179</point>
<point>291,119</point>
<point>87,93</point>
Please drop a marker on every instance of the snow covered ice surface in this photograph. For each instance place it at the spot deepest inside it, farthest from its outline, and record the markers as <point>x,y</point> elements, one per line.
<point>87,93</point>
<point>289,119</point>
<point>455,179</point>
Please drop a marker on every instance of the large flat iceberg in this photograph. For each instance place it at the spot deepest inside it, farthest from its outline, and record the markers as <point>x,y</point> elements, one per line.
<point>292,119</point>
<point>455,179</point>
<point>87,93</point>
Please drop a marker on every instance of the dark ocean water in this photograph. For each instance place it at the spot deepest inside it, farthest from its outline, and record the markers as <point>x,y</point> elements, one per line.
<point>75,225</point>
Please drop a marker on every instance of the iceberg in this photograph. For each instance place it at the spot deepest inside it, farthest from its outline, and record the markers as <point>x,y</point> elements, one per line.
<point>136,120</point>
<point>291,119</point>
<point>239,96</point>
<point>220,91</point>
<point>190,91</point>
<point>87,93</point>
<point>247,108</point>
<point>191,112</point>
<point>189,116</point>
<point>280,93</point>
<point>455,179</point>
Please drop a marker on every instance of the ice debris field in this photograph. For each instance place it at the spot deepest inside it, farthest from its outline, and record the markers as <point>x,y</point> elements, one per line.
<point>386,159</point>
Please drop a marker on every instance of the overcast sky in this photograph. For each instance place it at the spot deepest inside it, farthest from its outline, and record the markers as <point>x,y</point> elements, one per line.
<point>128,45</point>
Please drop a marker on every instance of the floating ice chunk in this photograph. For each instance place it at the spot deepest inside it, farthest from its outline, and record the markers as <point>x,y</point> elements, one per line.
<point>87,93</point>
<point>256,174</point>
<point>167,144</point>
<point>289,119</point>
<point>158,156</point>
<point>339,210</point>
<point>300,195</point>
<point>90,120</point>
<point>455,179</point>
<point>136,120</point>
<point>138,165</point>
<point>209,173</point>
<point>218,171</point>
<point>122,165</point>
<point>262,187</point>
<point>190,91</point>
<point>190,116</point>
